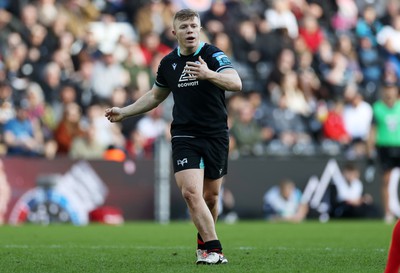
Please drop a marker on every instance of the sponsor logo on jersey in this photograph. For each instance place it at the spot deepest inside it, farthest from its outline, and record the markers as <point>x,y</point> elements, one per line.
<point>174,66</point>
<point>221,58</point>
<point>185,80</point>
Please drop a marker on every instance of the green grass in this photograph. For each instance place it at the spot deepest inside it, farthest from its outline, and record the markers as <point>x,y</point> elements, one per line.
<point>250,246</point>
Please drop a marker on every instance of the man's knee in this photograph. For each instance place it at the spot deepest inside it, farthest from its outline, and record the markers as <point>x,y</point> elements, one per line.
<point>211,199</point>
<point>190,195</point>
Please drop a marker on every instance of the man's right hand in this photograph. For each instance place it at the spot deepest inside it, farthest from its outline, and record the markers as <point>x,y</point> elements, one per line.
<point>114,114</point>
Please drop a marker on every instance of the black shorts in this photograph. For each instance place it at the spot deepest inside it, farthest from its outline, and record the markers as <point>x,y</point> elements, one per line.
<point>389,157</point>
<point>198,153</point>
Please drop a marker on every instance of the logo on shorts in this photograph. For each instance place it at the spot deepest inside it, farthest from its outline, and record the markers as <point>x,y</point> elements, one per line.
<point>182,162</point>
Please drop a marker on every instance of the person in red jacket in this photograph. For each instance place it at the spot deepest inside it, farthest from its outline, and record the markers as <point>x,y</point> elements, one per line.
<point>333,127</point>
<point>311,33</point>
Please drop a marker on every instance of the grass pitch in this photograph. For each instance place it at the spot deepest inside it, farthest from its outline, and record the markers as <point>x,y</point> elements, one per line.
<point>250,246</point>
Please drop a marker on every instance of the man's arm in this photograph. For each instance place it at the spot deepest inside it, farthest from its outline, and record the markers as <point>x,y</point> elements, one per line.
<point>227,79</point>
<point>145,103</point>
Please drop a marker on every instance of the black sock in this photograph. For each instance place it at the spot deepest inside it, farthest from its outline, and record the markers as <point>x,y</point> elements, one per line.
<point>200,242</point>
<point>213,246</point>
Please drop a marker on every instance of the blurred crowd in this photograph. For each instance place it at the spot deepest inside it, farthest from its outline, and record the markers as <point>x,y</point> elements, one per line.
<point>310,70</point>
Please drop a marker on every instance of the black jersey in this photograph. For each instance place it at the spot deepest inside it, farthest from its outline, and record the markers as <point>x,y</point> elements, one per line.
<point>199,108</point>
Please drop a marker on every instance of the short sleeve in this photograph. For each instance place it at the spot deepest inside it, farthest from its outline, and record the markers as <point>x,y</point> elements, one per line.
<point>217,60</point>
<point>160,78</point>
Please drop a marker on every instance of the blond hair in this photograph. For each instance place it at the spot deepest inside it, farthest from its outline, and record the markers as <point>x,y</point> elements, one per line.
<point>185,14</point>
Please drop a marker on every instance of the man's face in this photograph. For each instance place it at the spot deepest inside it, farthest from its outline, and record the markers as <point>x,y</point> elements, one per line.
<point>390,93</point>
<point>187,33</point>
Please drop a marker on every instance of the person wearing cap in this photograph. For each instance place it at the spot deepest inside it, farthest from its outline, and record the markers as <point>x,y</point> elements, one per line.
<point>384,138</point>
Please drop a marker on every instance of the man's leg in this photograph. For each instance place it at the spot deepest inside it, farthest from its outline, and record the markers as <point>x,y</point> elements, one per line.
<point>211,193</point>
<point>190,182</point>
<point>212,188</point>
<point>393,262</point>
<point>389,218</point>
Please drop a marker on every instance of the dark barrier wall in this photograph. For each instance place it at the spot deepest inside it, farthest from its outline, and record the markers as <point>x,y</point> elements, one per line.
<point>249,178</point>
<point>131,184</point>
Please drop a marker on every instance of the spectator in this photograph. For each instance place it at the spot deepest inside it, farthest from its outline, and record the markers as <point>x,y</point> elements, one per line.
<point>64,57</point>
<point>36,104</point>
<point>345,19</point>
<point>154,16</point>
<point>345,45</point>
<point>68,128</point>
<point>368,25</point>
<point>107,74</point>
<point>285,63</point>
<point>51,83</point>
<point>81,79</point>
<point>48,11</point>
<point>308,79</point>
<point>295,98</point>
<point>311,33</point>
<point>261,115</point>
<point>338,75</point>
<point>351,201</point>
<point>136,65</point>
<point>283,203</point>
<point>289,128</point>
<point>7,110</point>
<point>323,11</point>
<point>246,133</point>
<point>85,146</point>
<point>389,39</point>
<point>107,134</point>
<point>392,9</point>
<point>54,32</point>
<point>14,60</point>
<point>150,128</point>
<point>23,136</point>
<point>107,30</point>
<point>151,46</point>
<point>379,7</point>
<point>67,94</point>
<point>79,14</point>
<point>371,64</point>
<point>28,19</point>
<point>389,36</point>
<point>334,127</point>
<point>322,63</point>
<point>218,19</point>
<point>357,117</point>
<point>280,16</point>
